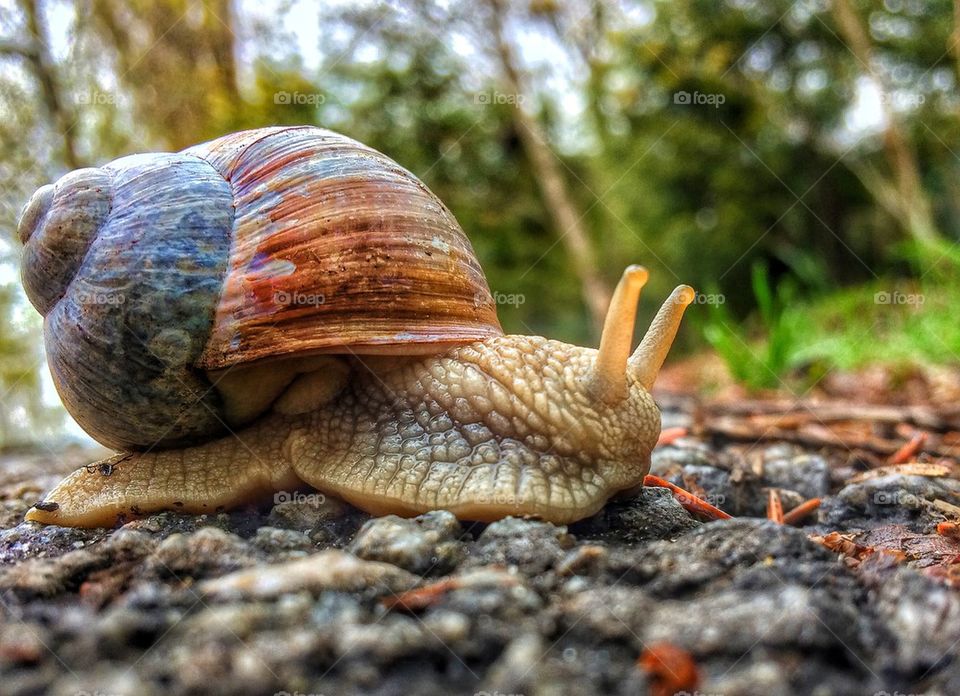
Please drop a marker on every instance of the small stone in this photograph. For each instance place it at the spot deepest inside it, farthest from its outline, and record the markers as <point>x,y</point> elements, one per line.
<point>583,560</point>
<point>652,514</point>
<point>516,669</point>
<point>305,512</point>
<point>892,499</point>
<point>208,551</point>
<point>807,474</point>
<point>665,461</point>
<point>327,570</point>
<point>47,577</point>
<point>531,546</point>
<point>427,545</point>
<point>275,542</point>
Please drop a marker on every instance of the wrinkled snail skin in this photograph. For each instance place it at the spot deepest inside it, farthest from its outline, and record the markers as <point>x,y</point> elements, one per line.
<point>397,393</point>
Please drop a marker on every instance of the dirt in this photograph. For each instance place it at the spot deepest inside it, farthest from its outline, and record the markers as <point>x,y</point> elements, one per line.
<point>310,596</point>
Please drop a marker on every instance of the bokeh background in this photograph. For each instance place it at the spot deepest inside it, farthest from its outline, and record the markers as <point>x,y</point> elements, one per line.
<point>797,162</point>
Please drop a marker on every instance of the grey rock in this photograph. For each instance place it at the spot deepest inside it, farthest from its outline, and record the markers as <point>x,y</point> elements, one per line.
<point>326,570</point>
<point>263,600</point>
<point>530,546</point>
<point>208,551</point>
<point>653,513</point>
<point>428,544</point>
<point>892,499</point>
<point>306,512</point>
<point>807,474</point>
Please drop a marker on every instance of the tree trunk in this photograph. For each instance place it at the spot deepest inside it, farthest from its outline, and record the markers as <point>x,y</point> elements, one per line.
<point>911,201</point>
<point>567,220</point>
<point>38,56</point>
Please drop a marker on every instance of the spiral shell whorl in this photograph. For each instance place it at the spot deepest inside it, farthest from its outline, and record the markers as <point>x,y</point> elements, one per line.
<point>57,227</point>
<point>123,337</point>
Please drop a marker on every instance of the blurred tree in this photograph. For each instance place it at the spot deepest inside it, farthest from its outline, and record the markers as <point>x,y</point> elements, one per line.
<point>694,136</point>
<point>567,220</point>
<point>34,49</point>
<point>767,136</point>
<point>395,82</point>
<point>904,197</point>
<point>36,142</point>
<point>174,60</point>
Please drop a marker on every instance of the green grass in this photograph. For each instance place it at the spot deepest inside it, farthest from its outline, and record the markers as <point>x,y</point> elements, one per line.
<point>788,342</point>
<point>851,329</point>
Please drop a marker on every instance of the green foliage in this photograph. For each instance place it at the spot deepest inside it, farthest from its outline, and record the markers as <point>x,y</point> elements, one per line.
<point>887,322</point>
<point>765,362</point>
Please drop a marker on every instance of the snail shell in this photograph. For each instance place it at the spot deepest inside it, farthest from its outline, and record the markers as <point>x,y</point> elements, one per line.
<point>157,274</point>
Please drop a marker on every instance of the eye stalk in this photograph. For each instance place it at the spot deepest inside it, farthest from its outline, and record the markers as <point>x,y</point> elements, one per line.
<point>613,357</point>
<point>652,351</point>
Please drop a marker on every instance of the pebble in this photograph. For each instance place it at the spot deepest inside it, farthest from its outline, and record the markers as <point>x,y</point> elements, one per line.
<point>807,474</point>
<point>427,545</point>
<point>208,551</point>
<point>326,570</point>
<point>529,546</point>
<point>306,512</point>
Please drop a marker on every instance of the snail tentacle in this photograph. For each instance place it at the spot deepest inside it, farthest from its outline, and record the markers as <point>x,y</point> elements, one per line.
<point>615,341</point>
<point>652,351</point>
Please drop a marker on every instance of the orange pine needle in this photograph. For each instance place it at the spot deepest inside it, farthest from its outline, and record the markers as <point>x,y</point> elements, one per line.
<point>774,506</point>
<point>909,450</point>
<point>671,435</point>
<point>419,597</point>
<point>688,500</point>
<point>950,530</point>
<point>801,511</point>
<point>670,668</point>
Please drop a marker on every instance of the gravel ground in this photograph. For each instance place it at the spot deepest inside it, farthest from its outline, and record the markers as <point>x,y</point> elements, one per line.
<point>309,596</point>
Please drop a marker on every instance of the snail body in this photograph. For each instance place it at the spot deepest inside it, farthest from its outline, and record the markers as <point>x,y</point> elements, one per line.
<point>287,306</point>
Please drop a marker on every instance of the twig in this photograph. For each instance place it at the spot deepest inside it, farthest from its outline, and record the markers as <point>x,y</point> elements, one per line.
<point>671,435</point>
<point>688,500</point>
<point>801,511</point>
<point>793,413</point>
<point>774,506</point>
<point>811,436</point>
<point>909,450</point>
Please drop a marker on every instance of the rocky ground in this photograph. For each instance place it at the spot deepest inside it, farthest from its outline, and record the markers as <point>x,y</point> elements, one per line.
<point>309,596</point>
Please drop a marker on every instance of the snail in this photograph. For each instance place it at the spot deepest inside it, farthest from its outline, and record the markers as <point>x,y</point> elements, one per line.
<point>285,307</point>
